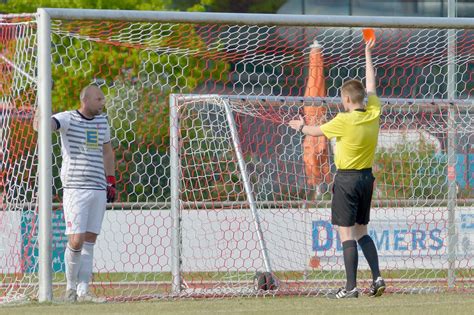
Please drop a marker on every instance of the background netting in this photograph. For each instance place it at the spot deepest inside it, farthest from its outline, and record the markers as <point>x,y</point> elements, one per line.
<point>18,158</point>
<point>138,66</point>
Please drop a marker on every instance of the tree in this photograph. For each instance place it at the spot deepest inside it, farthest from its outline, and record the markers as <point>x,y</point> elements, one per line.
<point>241,6</point>
<point>410,171</point>
<point>24,6</point>
<point>137,76</point>
<point>251,6</point>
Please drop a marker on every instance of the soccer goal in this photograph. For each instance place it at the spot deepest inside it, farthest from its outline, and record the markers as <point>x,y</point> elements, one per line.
<point>216,195</point>
<point>244,207</point>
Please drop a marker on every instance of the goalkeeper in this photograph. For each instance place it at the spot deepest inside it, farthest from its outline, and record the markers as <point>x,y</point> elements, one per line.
<point>356,132</point>
<point>87,176</point>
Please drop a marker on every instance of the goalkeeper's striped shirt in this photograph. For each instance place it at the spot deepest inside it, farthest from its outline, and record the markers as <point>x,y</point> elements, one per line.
<point>82,141</point>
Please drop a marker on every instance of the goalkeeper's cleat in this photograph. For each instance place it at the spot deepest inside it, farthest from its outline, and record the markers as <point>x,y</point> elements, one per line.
<point>70,296</point>
<point>377,288</point>
<point>342,293</point>
<point>90,298</point>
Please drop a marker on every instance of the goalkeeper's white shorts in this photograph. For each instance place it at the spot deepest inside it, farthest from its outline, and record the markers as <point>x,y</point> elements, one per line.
<point>84,210</point>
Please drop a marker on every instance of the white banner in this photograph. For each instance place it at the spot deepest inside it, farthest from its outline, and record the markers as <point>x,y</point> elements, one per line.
<point>226,240</point>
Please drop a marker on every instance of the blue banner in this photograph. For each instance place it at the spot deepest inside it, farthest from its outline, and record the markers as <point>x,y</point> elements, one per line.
<point>29,236</point>
<point>326,238</point>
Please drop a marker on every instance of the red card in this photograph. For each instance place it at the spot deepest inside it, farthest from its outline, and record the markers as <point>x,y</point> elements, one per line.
<point>369,34</point>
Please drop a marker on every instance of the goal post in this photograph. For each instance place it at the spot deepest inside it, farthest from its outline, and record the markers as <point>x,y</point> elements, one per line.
<point>249,192</point>
<point>175,166</point>
<point>214,195</point>
<point>45,292</point>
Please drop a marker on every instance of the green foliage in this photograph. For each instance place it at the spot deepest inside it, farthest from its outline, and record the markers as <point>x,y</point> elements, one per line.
<point>209,169</point>
<point>410,171</point>
<point>243,6</point>
<point>251,6</point>
<point>137,83</point>
<point>24,6</point>
<point>211,179</point>
<point>465,193</point>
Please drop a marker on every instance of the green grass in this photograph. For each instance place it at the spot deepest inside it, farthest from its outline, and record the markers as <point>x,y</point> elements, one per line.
<point>129,286</point>
<point>140,284</point>
<point>446,303</point>
<point>315,274</point>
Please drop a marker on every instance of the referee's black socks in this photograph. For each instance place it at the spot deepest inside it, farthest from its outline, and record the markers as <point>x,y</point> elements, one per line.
<point>350,262</point>
<point>370,253</point>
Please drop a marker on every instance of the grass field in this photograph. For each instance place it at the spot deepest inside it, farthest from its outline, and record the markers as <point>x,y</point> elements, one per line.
<point>445,303</point>
<point>142,286</point>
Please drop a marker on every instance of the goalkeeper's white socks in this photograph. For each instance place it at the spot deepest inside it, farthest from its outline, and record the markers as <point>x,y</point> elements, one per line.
<point>72,260</point>
<point>85,270</point>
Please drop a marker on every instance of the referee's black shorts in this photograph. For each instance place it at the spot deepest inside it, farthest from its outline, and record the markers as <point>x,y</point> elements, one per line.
<point>352,195</point>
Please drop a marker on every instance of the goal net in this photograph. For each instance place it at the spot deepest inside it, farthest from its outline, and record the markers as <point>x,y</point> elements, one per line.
<point>250,207</point>
<point>18,159</point>
<point>246,205</point>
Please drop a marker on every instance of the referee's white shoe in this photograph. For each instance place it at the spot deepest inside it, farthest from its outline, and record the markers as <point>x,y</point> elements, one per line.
<point>342,293</point>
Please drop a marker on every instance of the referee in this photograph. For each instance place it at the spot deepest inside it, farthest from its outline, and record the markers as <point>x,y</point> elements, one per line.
<point>356,132</point>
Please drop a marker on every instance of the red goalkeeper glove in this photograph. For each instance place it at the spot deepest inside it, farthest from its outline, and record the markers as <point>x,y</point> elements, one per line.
<point>111,191</point>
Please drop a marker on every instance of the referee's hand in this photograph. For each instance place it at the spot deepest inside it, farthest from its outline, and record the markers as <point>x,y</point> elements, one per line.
<point>297,124</point>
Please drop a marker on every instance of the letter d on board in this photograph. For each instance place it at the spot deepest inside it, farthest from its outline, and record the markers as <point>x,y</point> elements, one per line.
<point>319,227</point>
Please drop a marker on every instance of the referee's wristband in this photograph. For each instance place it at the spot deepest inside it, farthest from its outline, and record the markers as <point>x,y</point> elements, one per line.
<point>301,128</point>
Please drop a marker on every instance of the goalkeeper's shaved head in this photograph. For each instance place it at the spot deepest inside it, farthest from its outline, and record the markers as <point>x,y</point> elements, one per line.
<point>86,91</point>
<point>92,100</point>
<point>355,90</point>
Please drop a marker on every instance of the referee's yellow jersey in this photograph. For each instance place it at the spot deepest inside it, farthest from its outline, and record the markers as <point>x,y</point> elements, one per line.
<point>356,135</point>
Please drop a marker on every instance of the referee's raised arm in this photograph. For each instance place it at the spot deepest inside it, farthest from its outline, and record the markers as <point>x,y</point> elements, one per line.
<point>369,68</point>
